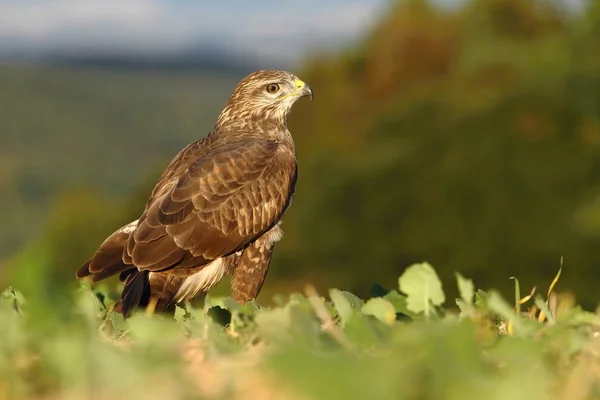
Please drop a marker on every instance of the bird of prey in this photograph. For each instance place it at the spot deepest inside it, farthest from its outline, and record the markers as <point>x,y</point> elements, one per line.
<point>217,207</point>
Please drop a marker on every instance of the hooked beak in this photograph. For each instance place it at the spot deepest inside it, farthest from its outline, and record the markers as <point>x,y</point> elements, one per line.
<point>308,92</point>
<point>303,89</point>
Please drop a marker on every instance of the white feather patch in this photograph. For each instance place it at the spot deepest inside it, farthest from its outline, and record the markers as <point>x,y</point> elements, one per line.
<point>130,227</point>
<point>274,235</point>
<point>202,280</point>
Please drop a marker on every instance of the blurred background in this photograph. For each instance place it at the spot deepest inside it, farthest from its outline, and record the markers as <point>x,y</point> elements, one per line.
<point>462,133</point>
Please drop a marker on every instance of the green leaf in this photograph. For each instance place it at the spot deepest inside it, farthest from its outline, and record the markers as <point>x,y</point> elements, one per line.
<point>342,305</point>
<point>12,297</point>
<point>422,287</point>
<point>465,288</point>
<point>117,323</point>
<point>542,305</point>
<point>295,322</point>
<point>481,299</point>
<point>503,309</point>
<point>180,314</point>
<point>517,295</point>
<point>500,307</point>
<point>143,328</point>
<point>381,309</point>
<point>360,331</point>
<point>399,302</point>
<point>581,317</point>
<point>465,309</point>
<point>354,300</point>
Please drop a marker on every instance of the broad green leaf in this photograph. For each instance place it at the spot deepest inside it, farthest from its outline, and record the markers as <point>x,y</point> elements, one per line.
<point>381,309</point>
<point>584,318</point>
<point>499,306</point>
<point>481,299</point>
<point>354,300</point>
<point>274,323</point>
<point>360,331</point>
<point>465,288</point>
<point>342,305</point>
<point>143,329</point>
<point>422,287</point>
<point>88,306</point>
<point>180,314</point>
<point>465,308</point>
<point>118,323</point>
<point>399,302</point>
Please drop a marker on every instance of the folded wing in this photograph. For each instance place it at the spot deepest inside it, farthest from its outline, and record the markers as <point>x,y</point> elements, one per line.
<point>215,207</point>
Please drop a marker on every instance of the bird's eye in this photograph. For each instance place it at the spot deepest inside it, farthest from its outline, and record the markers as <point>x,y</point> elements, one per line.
<point>273,88</point>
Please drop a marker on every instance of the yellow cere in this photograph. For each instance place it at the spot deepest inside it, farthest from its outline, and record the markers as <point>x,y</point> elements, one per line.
<point>299,83</point>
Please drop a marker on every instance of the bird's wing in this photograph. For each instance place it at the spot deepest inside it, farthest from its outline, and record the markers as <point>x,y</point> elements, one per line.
<point>216,206</point>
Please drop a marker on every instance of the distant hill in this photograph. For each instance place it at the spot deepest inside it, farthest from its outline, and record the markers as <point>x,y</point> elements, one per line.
<point>205,58</point>
<point>106,126</point>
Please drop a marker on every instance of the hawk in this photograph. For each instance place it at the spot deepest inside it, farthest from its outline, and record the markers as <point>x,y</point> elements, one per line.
<point>217,207</point>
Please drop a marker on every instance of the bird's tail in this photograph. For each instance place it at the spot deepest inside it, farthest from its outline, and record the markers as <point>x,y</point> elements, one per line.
<point>155,290</point>
<point>108,259</point>
<point>135,293</point>
<point>141,287</point>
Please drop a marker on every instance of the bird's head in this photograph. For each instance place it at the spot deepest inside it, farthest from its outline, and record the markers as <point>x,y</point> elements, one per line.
<point>266,96</point>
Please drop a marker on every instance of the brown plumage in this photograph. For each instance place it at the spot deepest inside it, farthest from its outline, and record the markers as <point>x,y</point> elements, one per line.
<point>216,208</point>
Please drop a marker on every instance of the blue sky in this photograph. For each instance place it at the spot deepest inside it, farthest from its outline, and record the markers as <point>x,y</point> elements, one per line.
<point>260,30</point>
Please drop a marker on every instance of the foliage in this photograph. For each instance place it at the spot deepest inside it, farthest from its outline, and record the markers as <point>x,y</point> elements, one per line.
<point>468,136</point>
<point>306,347</point>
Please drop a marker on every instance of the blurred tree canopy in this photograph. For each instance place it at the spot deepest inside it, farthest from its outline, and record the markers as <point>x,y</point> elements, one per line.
<point>468,138</point>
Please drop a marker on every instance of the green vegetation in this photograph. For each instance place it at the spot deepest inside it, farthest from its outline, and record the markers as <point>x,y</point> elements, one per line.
<point>470,138</point>
<point>402,343</point>
<point>67,132</point>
